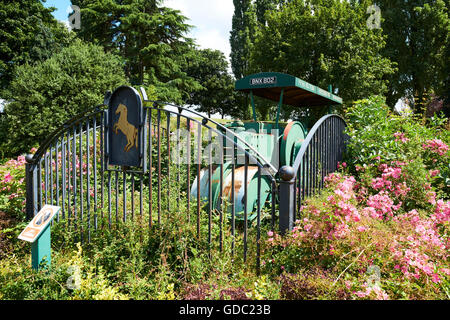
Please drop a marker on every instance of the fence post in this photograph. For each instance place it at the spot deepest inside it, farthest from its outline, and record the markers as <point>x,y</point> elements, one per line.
<point>287,197</point>
<point>31,187</point>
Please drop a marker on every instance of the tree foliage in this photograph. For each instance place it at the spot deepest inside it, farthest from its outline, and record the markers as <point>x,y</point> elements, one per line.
<point>151,39</point>
<point>324,42</point>
<point>48,93</point>
<point>242,36</point>
<point>417,37</point>
<point>210,69</point>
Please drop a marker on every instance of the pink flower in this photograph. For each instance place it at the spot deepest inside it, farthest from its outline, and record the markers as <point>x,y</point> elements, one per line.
<point>361,228</point>
<point>435,278</point>
<point>400,137</point>
<point>434,173</point>
<point>7,178</point>
<point>436,146</point>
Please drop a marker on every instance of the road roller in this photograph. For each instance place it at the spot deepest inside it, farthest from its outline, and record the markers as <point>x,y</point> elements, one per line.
<point>276,142</point>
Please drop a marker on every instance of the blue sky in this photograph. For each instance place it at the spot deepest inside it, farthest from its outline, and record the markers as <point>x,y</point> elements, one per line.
<point>211,20</point>
<point>61,6</point>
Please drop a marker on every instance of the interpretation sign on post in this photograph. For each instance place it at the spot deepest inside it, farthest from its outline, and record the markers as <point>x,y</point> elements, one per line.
<point>38,233</point>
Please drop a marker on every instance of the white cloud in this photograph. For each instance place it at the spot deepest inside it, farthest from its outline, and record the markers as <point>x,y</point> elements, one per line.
<point>211,20</point>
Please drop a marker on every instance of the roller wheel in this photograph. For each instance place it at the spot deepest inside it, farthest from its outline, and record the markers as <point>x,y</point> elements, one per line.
<point>293,136</point>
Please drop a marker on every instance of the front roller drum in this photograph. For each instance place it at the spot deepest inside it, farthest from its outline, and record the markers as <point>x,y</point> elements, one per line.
<point>239,190</point>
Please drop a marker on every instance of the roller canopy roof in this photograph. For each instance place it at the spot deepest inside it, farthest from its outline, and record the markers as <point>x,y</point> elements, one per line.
<point>297,92</point>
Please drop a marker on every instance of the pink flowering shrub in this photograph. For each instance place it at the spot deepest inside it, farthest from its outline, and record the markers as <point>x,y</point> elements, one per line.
<point>12,186</point>
<point>387,210</point>
<point>346,232</point>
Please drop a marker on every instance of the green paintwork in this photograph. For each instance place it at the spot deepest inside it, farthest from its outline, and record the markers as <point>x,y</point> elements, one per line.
<point>280,103</point>
<point>252,197</point>
<point>294,134</point>
<point>267,137</point>
<point>41,250</point>
<point>252,100</point>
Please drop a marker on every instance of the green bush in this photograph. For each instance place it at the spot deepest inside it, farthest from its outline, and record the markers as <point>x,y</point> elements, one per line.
<point>46,94</point>
<point>379,137</point>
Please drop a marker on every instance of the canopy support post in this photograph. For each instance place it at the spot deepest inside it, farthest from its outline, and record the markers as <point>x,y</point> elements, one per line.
<point>252,101</point>
<point>279,107</point>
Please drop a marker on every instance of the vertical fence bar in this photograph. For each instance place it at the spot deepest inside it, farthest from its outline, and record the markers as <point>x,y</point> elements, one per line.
<point>151,132</point>
<point>168,161</point>
<point>74,176</point>
<point>132,196</point>
<point>117,196</point>
<point>57,156</point>
<point>188,168</point>
<point>88,182</point>
<point>94,143</point>
<point>80,161</point>
<point>272,209</point>
<point>69,179</point>
<point>221,199</point>
<point>322,154</point>
<point>46,176</point>
<point>141,197</point>
<point>258,224</point>
<point>41,200</point>
<point>304,168</point>
<point>314,163</point>
<point>63,176</point>
<point>50,167</point>
<point>199,163</point>
<point>233,207</point>
<point>103,162</point>
<point>109,201</point>
<point>245,205</point>
<point>210,198</point>
<point>124,195</point>
<point>159,166</point>
<point>178,161</point>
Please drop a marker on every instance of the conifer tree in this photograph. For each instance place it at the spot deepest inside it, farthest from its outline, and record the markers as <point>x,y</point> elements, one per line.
<point>150,38</point>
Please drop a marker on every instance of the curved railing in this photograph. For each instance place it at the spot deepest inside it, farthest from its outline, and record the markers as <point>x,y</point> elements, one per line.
<point>63,128</point>
<point>69,170</point>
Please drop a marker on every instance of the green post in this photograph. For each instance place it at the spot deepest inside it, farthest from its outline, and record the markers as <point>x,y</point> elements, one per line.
<point>330,107</point>
<point>38,233</point>
<point>41,250</point>
<point>279,107</point>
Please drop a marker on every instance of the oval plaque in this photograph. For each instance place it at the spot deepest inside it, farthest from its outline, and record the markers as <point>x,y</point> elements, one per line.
<point>125,112</point>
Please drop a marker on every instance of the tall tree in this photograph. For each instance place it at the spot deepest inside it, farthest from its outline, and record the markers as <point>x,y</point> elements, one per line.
<point>48,93</point>
<point>210,69</point>
<point>417,37</point>
<point>242,35</point>
<point>324,42</point>
<point>28,33</point>
<point>262,6</point>
<point>151,39</point>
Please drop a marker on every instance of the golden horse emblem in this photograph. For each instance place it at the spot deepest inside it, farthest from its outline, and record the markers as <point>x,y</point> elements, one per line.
<point>127,128</point>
